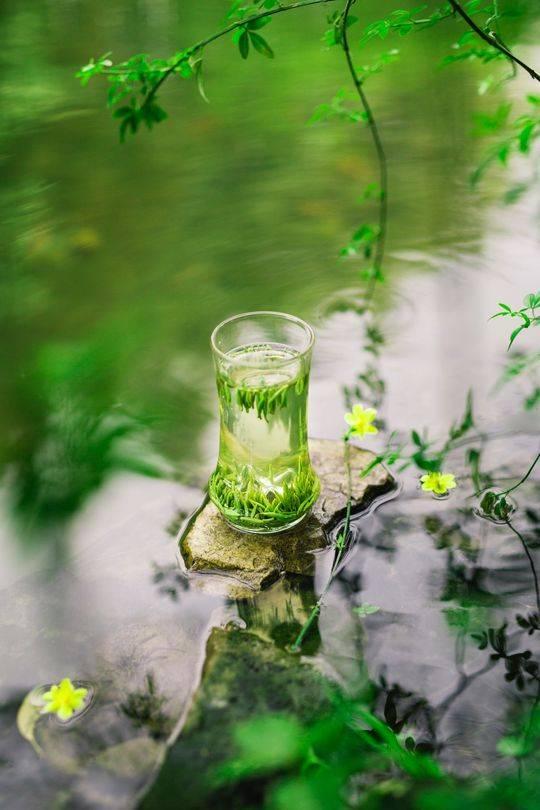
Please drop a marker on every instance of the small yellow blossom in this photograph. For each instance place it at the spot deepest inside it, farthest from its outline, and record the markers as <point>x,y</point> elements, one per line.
<point>63,699</point>
<point>437,482</point>
<point>360,421</point>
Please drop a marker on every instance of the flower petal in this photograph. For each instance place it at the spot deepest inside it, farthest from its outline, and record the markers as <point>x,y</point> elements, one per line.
<point>64,712</point>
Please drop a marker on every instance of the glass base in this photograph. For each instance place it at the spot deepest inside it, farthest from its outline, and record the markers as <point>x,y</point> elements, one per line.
<point>279,530</point>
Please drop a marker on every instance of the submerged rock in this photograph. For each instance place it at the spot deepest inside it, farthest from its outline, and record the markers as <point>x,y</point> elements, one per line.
<point>211,546</point>
<point>243,677</point>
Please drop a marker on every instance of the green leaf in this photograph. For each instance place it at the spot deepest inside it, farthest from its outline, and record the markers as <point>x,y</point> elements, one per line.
<point>371,466</point>
<point>515,193</point>
<point>515,333</point>
<point>532,300</point>
<point>489,499</point>
<point>261,45</point>
<point>526,136</point>
<point>366,609</point>
<point>503,153</point>
<point>197,69</point>
<point>265,744</point>
<point>243,44</point>
<point>532,400</point>
<point>427,464</point>
<point>254,25</point>
<point>121,112</point>
<point>512,747</point>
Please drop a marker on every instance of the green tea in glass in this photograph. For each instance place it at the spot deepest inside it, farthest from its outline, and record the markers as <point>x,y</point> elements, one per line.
<point>263,482</point>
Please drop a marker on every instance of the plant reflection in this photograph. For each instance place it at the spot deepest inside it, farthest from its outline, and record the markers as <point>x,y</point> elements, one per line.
<point>145,709</point>
<point>170,580</point>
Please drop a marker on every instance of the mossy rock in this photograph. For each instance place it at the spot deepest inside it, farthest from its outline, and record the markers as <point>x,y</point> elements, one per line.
<point>243,677</point>
<point>211,546</point>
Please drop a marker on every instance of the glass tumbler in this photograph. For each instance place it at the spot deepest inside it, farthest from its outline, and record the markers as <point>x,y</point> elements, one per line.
<point>263,482</point>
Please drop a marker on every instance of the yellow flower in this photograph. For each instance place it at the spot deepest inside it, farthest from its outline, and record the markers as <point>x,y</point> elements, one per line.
<point>360,421</point>
<point>437,482</point>
<point>63,699</point>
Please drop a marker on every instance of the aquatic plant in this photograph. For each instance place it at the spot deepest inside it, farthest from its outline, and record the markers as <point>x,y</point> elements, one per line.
<point>145,709</point>
<point>64,699</point>
<point>438,482</point>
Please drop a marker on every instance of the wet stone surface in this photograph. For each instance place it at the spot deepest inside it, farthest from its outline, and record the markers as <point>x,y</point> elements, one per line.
<point>211,546</point>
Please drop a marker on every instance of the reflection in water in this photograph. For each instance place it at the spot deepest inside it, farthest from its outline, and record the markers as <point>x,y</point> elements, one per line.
<point>278,614</point>
<point>465,588</point>
<point>145,709</point>
<point>76,454</point>
<point>170,580</point>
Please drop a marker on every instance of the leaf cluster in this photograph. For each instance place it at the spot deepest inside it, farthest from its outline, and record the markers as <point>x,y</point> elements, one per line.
<point>404,21</point>
<point>526,315</point>
<point>246,36</point>
<point>334,35</point>
<point>421,451</point>
<point>497,506</point>
<point>362,241</point>
<point>467,49</point>
<point>523,132</point>
<point>338,108</point>
<point>519,666</point>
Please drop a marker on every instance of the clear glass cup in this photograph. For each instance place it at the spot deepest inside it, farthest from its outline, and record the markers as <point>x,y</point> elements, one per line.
<point>263,482</point>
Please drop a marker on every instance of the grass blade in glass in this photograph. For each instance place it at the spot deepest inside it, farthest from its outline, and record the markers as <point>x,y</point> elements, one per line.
<point>263,481</point>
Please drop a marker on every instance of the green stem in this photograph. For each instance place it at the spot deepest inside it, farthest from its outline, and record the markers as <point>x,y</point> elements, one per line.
<point>522,480</point>
<point>492,40</point>
<point>232,27</point>
<point>381,155</point>
<point>531,562</point>
<point>341,541</point>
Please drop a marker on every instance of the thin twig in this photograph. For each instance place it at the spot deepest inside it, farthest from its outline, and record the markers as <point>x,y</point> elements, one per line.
<point>493,41</point>
<point>381,156</point>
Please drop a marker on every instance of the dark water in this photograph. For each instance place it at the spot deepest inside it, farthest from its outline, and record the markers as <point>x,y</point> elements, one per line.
<point>116,264</point>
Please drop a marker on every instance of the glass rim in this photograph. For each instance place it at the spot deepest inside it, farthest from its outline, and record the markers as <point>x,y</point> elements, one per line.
<point>281,315</point>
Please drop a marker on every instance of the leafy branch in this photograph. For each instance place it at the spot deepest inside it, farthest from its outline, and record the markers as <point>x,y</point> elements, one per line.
<point>422,451</point>
<point>492,40</point>
<point>142,76</point>
<point>379,234</point>
<point>527,315</point>
<point>524,131</point>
